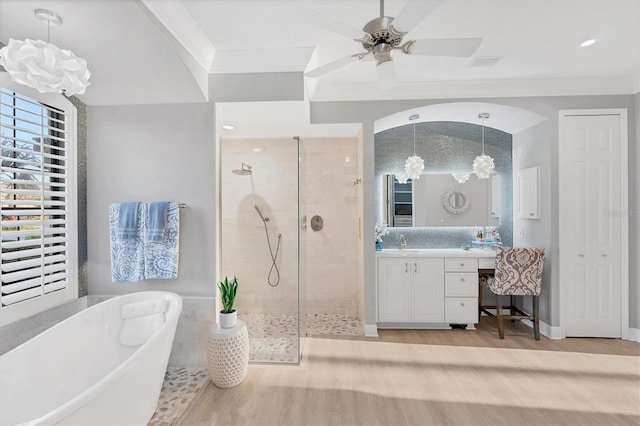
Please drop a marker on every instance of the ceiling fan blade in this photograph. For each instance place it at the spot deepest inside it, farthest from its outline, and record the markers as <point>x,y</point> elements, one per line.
<point>387,76</point>
<point>325,21</point>
<point>462,47</point>
<point>413,13</point>
<point>317,72</point>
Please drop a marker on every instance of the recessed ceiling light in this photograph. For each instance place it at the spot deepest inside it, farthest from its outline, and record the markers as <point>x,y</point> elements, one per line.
<point>228,127</point>
<point>257,149</point>
<point>588,42</point>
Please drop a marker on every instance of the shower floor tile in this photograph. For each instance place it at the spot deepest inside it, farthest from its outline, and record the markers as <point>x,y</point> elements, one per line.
<point>180,388</point>
<point>274,337</point>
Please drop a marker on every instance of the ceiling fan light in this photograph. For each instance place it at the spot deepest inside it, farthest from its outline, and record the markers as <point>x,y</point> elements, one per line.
<point>483,166</point>
<point>387,77</point>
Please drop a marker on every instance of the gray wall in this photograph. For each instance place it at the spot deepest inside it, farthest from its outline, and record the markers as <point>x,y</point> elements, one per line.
<point>146,153</point>
<point>547,106</point>
<point>532,149</point>
<point>634,222</point>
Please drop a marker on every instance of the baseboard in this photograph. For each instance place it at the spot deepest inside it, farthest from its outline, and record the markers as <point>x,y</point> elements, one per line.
<point>546,330</point>
<point>633,334</point>
<point>371,330</point>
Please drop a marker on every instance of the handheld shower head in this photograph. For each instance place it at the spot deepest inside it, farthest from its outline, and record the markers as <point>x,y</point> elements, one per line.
<point>264,219</point>
<point>244,170</point>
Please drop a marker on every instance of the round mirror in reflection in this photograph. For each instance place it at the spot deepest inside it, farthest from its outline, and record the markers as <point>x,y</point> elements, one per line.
<point>456,201</point>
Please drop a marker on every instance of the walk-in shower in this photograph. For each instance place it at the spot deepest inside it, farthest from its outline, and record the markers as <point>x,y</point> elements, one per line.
<point>294,281</point>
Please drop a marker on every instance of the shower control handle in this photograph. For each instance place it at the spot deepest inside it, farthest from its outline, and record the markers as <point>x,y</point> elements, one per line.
<point>316,223</point>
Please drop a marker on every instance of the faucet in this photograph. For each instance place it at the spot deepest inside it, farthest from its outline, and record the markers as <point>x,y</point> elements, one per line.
<point>403,242</point>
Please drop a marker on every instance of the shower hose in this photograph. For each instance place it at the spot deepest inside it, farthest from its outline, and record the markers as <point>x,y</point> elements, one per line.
<point>273,271</point>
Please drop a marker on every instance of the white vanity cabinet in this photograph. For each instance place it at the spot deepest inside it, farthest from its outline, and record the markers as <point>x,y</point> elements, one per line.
<point>429,288</point>
<point>461,290</point>
<point>410,290</point>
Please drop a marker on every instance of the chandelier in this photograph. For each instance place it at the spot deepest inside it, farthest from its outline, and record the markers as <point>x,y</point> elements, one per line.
<point>43,66</point>
<point>483,164</point>
<point>414,165</point>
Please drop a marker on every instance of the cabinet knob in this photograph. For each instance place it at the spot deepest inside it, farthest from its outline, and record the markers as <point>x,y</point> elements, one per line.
<point>462,279</point>
<point>462,264</point>
<point>581,255</point>
<point>604,255</point>
<point>462,304</point>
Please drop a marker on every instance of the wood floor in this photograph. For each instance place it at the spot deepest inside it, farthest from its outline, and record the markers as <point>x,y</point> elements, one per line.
<point>437,377</point>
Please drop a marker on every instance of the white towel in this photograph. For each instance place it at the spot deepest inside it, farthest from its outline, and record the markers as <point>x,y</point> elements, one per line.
<point>141,320</point>
<point>136,331</point>
<point>140,309</point>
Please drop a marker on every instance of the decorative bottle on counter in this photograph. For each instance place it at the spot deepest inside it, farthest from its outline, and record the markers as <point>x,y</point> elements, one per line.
<point>378,245</point>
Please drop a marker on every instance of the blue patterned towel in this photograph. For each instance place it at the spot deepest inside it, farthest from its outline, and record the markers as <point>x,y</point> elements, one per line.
<point>127,255</point>
<point>127,227</point>
<point>161,257</point>
<point>156,220</point>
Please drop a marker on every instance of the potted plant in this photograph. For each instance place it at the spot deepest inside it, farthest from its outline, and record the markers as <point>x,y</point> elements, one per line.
<point>228,315</point>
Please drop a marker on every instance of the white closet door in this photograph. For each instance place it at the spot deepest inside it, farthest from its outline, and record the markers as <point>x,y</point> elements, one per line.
<point>591,224</point>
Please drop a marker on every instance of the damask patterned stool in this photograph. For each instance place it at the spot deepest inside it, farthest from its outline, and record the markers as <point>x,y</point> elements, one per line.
<point>228,355</point>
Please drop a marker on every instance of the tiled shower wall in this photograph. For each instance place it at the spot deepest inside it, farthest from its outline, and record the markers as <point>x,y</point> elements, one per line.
<point>329,269</point>
<point>331,192</point>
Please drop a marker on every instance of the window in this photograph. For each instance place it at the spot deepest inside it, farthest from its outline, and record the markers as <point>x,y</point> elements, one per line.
<point>38,207</point>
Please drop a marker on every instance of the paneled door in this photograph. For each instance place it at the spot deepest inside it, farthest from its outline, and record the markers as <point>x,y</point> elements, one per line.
<point>593,222</point>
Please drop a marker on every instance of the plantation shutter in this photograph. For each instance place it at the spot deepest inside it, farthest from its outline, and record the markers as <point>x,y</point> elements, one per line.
<point>35,177</point>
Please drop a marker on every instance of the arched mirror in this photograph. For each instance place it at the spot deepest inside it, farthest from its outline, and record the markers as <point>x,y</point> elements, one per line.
<point>456,201</point>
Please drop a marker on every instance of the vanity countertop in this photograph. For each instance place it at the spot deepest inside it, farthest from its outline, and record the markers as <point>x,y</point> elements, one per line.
<point>438,252</point>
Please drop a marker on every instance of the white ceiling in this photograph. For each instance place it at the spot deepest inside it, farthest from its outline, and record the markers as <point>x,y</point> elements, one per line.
<point>136,53</point>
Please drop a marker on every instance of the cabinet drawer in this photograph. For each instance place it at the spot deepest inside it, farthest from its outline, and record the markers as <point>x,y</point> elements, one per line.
<point>461,264</point>
<point>486,263</point>
<point>463,310</point>
<point>461,284</point>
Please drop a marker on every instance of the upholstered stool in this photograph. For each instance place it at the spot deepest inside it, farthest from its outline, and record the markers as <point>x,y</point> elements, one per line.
<point>518,273</point>
<point>228,355</point>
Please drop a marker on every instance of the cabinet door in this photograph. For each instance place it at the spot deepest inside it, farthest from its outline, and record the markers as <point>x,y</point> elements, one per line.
<point>394,290</point>
<point>528,193</point>
<point>427,290</point>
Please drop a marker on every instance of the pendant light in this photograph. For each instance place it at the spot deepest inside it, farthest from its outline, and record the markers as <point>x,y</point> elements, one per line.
<point>461,177</point>
<point>483,164</point>
<point>44,66</point>
<point>414,165</point>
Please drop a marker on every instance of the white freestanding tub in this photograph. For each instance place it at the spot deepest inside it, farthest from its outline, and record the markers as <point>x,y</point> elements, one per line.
<point>78,372</point>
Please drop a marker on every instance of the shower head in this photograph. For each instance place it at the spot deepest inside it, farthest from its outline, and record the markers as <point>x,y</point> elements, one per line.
<point>244,170</point>
<point>264,219</point>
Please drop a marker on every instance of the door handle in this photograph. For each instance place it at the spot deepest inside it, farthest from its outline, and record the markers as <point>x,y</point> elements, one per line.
<point>406,267</point>
<point>415,268</point>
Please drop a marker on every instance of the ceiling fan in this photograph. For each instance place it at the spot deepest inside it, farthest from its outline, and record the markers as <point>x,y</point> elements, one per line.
<point>382,35</point>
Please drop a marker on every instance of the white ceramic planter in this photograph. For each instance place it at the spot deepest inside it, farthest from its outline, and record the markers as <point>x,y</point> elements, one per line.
<point>228,320</point>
